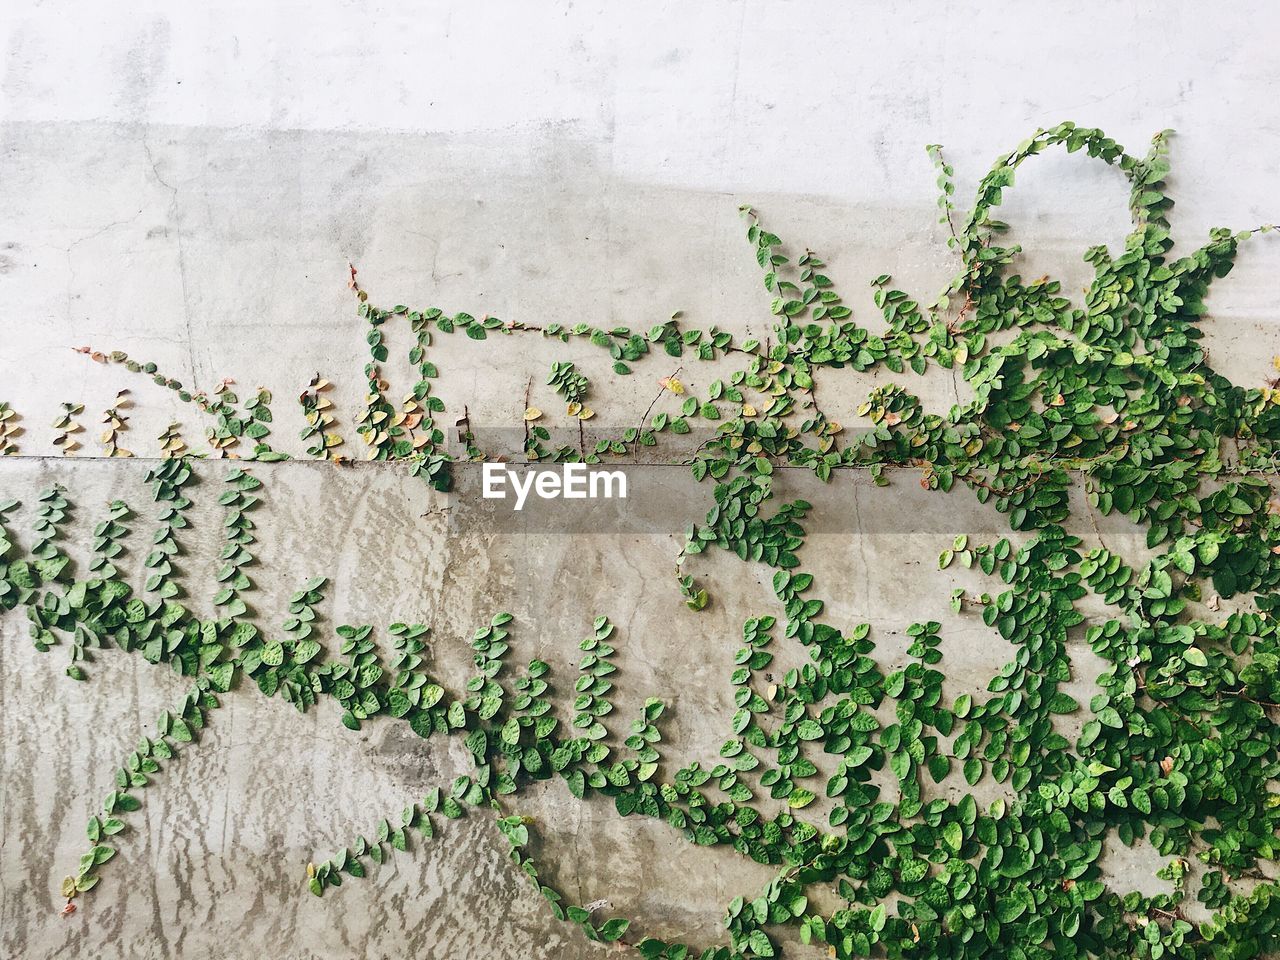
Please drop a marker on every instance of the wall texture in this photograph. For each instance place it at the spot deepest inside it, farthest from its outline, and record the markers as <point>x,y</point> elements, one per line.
<point>189,186</point>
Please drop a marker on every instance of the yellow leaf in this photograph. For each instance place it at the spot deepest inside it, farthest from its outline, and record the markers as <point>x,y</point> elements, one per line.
<point>575,408</point>
<point>748,410</point>
<point>672,384</point>
<point>586,414</point>
<point>533,413</point>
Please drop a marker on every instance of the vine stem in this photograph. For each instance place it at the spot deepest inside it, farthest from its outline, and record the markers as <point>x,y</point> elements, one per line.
<point>635,447</point>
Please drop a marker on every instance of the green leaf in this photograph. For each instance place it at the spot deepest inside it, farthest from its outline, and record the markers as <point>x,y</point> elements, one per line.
<point>953,834</point>
<point>613,929</point>
<point>809,730</point>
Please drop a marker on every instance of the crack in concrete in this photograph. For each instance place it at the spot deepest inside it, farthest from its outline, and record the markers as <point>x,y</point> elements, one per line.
<point>175,217</point>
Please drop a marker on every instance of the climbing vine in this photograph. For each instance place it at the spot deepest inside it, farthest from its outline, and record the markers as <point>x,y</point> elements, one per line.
<point>1179,746</point>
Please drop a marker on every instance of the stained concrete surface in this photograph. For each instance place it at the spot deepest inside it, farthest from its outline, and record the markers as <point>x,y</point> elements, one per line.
<point>189,186</point>
<point>219,854</point>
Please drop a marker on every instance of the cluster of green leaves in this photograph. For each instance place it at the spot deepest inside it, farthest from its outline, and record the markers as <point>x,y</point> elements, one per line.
<point>516,831</point>
<point>67,426</point>
<point>167,480</point>
<point>174,729</point>
<point>390,433</point>
<point>1179,746</point>
<point>318,413</point>
<point>11,592</point>
<point>238,534</point>
<point>227,426</point>
<point>568,383</point>
<point>383,427</point>
<point>9,430</point>
<point>415,818</point>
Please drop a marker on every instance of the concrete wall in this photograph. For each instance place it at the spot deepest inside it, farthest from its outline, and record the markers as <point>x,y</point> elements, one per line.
<point>189,186</point>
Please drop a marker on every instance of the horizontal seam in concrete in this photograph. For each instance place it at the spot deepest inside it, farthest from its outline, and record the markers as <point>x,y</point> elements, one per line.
<point>360,464</point>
